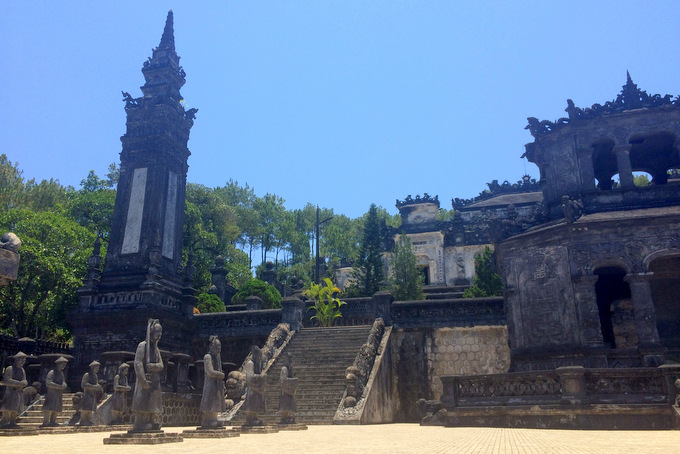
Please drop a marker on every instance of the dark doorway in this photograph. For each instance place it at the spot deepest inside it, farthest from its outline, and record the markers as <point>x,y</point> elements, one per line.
<point>426,272</point>
<point>609,288</point>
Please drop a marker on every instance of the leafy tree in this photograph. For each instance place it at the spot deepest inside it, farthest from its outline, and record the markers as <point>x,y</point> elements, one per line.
<point>93,210</point>
<point>271,298</point>
<point>208,303</point>
<point>54,254</point>
<point>271,215</point>
<point>369,273</point>
<point>641,180</point>
<point>326,305</point>
<point>341,239</point>
<point>11,183</point>
<point>487,282</point>
<point>242,200</point>
<point>406,281</point>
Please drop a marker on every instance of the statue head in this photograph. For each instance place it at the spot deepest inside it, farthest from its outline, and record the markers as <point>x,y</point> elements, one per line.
<point>60,363</point>
<point>154,330</point>
<point>94,367</point>
<point>123,369</point>
<point>215,346</point>
<point>20,359</point>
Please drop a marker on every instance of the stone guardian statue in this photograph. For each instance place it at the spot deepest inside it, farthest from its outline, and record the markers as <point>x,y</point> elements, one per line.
<point>91,391</point>
<point>56,385</point>
<point>212,401</point>
<point>147,400</point>
<point>287,404</point>
<point>120,390</point>
<point>14,381</point>
<point>256,383</point>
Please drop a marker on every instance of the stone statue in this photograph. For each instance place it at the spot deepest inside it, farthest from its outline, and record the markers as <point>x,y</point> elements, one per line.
<point>256,383</point>
<point>212,401</point>
<point>14,381</point>
<point>91,391</point>
<point>147,400</point>
<point>120,390</point>
<point>10,241</point>
<point>56,385</point>
<point>287,404</point>
<point>31,393</point>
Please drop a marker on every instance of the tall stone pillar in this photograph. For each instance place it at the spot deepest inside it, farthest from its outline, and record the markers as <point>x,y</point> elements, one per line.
<point>645,318</point>
<point>622,153</point>
<point>586,169</point>
<point>589,317</point>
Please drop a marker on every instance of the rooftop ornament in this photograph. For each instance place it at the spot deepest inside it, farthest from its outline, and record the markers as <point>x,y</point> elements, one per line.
<point>630,98</point>
<point>426,198</point>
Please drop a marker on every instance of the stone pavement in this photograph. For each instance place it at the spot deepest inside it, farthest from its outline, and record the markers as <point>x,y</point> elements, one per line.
<point>388,438</point>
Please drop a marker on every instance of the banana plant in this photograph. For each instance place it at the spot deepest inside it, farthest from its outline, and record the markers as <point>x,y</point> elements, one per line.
<point>326,304</point>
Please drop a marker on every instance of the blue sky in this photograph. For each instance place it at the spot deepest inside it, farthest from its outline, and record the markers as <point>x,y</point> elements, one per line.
<point>337,103</point>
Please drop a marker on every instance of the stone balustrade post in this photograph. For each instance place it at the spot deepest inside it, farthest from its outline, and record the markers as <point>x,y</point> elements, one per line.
<point>383,306</point>
<point>253,303</point>
<point>573,383</point>
<point>292,312</point>
<point>671,372</point>
<point>586,301</point>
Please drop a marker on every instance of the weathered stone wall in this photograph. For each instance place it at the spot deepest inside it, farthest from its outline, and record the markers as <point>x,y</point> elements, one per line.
<point>460,263</point>
<point>421,357</point>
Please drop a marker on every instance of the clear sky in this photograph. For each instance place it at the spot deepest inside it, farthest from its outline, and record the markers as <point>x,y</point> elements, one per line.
<point>337,103</point>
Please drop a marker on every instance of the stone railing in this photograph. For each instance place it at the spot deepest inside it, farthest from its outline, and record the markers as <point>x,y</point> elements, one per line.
<point>448,313</point>
<point>572,385</point>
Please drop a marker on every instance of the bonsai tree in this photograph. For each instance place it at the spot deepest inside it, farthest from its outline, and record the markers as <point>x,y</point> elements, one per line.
<point>326,304</point>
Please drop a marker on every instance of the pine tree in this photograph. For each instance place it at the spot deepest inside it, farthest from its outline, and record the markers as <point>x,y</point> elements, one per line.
<point>406,281</point>
<point>487,282</point>
<point>369,274</point>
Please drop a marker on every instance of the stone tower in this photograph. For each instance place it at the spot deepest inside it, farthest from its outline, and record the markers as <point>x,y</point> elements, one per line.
<point>142,275</point>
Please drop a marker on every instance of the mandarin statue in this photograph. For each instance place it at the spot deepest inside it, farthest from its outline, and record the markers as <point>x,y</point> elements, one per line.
<point>256,382</point>
<point>56,385</point>
<point>212,401</point>
<point>14,381</point>
<point>91,391</point>
<point>287,404</point>
<point>147,400</point>
<point>120,391</point>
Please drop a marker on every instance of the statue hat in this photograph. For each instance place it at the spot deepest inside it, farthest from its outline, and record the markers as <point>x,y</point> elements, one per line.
<point>61,359</point>
<point>95,363</point>
<point>124,366</point>
<point>20,355</point>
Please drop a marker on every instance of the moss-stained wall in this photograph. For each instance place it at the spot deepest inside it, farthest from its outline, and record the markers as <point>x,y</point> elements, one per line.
<point>421,356</point>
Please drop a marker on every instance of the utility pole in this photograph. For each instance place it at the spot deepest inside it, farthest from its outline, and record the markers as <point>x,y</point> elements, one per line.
<point>318,224</point>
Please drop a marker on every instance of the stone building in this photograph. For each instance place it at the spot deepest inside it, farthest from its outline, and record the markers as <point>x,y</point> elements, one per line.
<point>595,282</point>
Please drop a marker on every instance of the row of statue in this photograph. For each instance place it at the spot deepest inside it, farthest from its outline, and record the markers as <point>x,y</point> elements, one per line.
<point>147,404</point>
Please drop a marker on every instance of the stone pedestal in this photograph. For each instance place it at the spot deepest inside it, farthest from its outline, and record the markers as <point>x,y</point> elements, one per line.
<point>18,432</point>
<point>182,382</point>
<point>155,437</point>
<point>259,429</point>
<point>253,303</point>
<point>216,432</point>
<point>296,426</point>
<point>292,312</point>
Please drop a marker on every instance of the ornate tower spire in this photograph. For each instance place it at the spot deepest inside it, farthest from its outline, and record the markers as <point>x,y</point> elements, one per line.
<point>146,235</point>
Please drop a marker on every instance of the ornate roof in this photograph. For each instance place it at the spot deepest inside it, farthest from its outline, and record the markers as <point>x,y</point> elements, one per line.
<point>631,97</point>
<point>426,198</point>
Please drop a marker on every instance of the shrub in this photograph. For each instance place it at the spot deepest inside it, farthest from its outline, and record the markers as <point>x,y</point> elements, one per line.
<point>271,298</point>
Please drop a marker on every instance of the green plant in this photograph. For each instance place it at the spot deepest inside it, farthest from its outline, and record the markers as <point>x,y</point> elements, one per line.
<point>487,282</point>
<point>207,303</point>
<point>271,298</point>
<point>326,304</point>
<point>406,281</point>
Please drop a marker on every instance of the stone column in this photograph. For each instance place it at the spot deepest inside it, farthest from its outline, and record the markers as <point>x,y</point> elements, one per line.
<point>623,163</point>
<point>645,317</point>
<point>182,383</point>
<point>253,303</point>
<point>586,305</point>
<point>586,169</point>
<point>292,312</point>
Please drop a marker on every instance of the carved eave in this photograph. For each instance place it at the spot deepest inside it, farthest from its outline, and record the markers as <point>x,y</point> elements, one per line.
<point>630,98</point>
<point>426,198</point>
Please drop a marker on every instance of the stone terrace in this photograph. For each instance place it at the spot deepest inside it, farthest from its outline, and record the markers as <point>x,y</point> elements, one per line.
<point>388,438</point>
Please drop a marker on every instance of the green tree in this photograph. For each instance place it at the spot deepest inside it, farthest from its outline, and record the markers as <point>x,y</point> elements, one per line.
<point>641,180</point>
<point>487,282</point>
<point>369,273</point>
<point>242,200</point>
<point>271,298</point>
<point>341,238</point>
<point>271,215</point>
<point>54,254</point>
<point>326,305</point>
<point>11,183</point>
<point>406,280</point>
<point>209,303</point>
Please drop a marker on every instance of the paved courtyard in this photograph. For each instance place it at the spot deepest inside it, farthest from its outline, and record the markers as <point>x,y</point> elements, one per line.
<point>389,438</point>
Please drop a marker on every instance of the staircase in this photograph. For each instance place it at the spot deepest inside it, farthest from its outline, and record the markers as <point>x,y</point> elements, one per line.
<point>33,417</point>
<point>320,357</point>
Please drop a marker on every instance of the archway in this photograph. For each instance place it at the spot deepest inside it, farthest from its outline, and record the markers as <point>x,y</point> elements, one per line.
<point>655,154</point>
<point>665,288</point>
<point>604,163</point>
<point>614,307</point>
